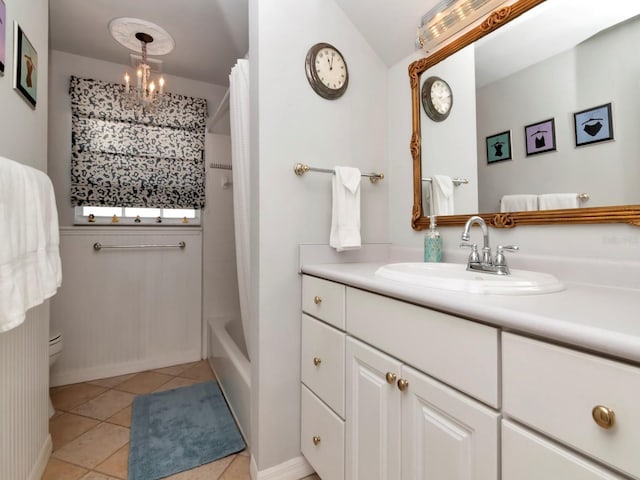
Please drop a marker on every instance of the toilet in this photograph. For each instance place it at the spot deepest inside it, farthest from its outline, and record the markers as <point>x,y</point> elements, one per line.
<point>55,349</point>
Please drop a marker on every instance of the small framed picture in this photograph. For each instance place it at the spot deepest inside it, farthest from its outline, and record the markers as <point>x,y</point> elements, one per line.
<point>499,147</point>
<point>593,125</point>
<point>540,137</point>
<point>3,35</point>
<point>25,75</point>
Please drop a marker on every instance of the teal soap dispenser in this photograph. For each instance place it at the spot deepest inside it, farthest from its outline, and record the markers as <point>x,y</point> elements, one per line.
<point>432,243</point>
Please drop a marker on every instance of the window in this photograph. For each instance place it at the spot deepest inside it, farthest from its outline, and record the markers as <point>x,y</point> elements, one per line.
<point>136,216</point>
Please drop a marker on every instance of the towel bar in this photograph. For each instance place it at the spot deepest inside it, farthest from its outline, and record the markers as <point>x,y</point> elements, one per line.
<point>98,246</point>
<point>301,168</point>
<point>457,181</point>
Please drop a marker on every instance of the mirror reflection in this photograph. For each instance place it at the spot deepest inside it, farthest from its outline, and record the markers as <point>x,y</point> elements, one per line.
<point>546,77</point>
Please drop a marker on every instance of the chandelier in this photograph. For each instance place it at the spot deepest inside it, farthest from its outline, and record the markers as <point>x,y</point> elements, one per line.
<point>146,94</point>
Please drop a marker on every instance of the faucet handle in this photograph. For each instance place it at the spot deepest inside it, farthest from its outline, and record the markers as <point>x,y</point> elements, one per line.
<point>500,260</point>
<point>474,256</point>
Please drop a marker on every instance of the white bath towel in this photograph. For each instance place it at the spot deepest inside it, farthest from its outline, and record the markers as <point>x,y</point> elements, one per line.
<point>519,203</point>
<point>345,213</point>
<point>30,269</point>
<point>554,201</point>
<point>442,195</point>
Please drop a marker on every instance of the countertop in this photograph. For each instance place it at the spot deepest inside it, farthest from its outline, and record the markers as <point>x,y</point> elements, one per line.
<point>598,318</point>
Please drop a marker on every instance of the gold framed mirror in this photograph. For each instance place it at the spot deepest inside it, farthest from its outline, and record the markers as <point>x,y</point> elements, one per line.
<point>607,214</point>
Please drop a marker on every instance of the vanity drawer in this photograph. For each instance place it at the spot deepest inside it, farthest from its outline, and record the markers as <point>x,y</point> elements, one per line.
<point>321,437</point>
<point>554,389</point>
<point>324,300</point>
<point>323,357</point>
<point>527,456</point>
<point>460,353</point>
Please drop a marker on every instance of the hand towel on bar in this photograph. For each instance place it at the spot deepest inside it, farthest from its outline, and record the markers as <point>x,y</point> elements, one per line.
<point>554,201</point>
<point>519,203</point>
<point>442,195</point>
<point>30,268</point>
<point>345,212</point>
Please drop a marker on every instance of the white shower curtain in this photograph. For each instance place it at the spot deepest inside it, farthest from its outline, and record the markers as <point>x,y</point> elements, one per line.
<point>239,118</point>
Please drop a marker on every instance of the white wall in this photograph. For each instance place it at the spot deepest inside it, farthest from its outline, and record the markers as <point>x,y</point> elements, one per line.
<point>23,130</point>
<point>533,95</point>
<point>217,255</point>
<point>293,124</point>
<point>124,311</point>
<point>446,150</point>
<point>24,362</point>
<point>63,65</point>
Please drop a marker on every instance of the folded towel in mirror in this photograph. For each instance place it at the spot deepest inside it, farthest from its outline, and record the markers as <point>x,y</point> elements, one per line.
<point>519,203</point>
<point>442,195</point>
<point>554,201</point>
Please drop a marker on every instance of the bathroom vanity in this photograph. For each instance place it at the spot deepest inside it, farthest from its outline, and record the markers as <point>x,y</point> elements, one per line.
<point>406,382</point>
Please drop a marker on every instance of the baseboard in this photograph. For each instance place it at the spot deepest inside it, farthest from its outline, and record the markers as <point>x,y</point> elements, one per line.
<point>293,469</point>
<point>42,460</point>
<point>106,371</point>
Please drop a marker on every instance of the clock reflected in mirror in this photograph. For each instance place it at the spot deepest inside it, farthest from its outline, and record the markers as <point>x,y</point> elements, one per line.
<point>437,98</point>
<point>327,71</point>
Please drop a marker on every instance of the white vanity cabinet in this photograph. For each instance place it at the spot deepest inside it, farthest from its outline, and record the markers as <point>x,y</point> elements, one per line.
<point>412,393</point>
<point>581,400</point>
<point>391,420</point>
<point>322,374</point>
<point>401,423</point>
<point>528,456</point>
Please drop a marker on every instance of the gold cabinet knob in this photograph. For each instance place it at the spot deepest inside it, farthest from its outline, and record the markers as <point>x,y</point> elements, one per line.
<point>403,384</point>
<point>316,439</point>
<point>603,416</point>
<point>391,378</point>
<point>317,300</point>
<point>317,361</point>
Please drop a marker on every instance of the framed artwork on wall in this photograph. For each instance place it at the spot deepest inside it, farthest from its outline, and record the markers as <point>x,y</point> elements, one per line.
<point>25,72</point>
<point>593,125</point>
<point>540,137</point>
<point>3,35</point>
<point>499,147</point>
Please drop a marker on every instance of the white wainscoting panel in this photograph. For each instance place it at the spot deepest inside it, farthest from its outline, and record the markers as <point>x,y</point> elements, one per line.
<point>127,310</point>
<point>25,444</point>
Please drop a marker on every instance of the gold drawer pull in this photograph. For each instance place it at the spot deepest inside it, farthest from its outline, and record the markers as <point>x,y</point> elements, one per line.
<point>316,439</point>
<point>403,384</point>
<point>317,300</point>
<point>603,416</point>
<point>391,378</point>
<point>317,361</point>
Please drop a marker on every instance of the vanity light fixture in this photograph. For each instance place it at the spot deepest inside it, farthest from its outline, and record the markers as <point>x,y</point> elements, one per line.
<point>142,92</point>
<point>450,17</point>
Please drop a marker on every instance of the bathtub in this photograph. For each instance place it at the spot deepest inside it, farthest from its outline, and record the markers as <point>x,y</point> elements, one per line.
<point>228,359</point>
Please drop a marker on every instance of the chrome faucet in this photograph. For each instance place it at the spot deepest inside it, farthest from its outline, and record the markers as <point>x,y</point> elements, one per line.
<point>486,263</point>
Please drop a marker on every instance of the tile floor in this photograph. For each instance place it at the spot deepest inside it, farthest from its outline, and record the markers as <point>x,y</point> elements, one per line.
<point>90,429</point>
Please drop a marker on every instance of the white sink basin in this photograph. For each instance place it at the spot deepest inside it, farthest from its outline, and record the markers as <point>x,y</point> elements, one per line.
<point>455,277</point>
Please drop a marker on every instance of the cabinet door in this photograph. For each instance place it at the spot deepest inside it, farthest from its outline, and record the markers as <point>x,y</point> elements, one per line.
<point>446,435</point>
<point>527,456</point>
<point>373,414</point>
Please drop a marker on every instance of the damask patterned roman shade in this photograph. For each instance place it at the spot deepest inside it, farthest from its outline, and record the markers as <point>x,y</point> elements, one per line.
<point>130,159</point>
